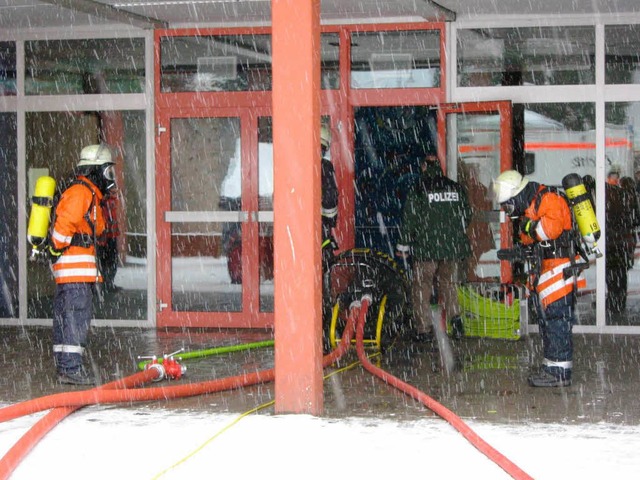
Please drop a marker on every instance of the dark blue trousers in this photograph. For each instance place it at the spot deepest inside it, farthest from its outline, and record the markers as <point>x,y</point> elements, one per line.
<point>72,314</point>
<point>556,324</point>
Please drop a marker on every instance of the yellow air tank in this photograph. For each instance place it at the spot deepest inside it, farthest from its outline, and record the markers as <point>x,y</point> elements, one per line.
<point>40,217</point>
<point>583,210</point>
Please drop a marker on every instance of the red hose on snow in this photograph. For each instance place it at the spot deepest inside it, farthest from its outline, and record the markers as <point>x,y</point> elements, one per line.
<point>98,396</point>
<point>493,455</point>
<point>95,396</point>
<point>66,403</point>
<point>119,391</point>
<point>30,439</point>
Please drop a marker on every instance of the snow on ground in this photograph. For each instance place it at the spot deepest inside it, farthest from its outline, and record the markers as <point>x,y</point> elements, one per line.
<point>106,442</point>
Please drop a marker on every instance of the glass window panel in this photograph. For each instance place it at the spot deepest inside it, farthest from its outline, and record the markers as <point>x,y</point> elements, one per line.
<point>397,59</point>
<point>7,68</point>
<point>200,274</point>
<point>54,141</point>
<point>473,159</point>
<point>8,216</point>
<point>330,61</point>
<point>206,177</point>
<point>233,63</point>
<point>622,56</point>
<point>622,213</point>
<point>265,204</point>
<point>526,56</point>
<point>559,138</point>
<point>225,63</point>
<point>91,66</point>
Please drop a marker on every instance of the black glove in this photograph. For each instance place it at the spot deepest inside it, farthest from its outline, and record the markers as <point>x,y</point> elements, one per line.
<point>40,255</point>
<point>528,227</point>
<point>54,254</point>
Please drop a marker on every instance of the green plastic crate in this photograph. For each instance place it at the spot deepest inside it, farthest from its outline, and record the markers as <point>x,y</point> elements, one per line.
<point>483,316</point>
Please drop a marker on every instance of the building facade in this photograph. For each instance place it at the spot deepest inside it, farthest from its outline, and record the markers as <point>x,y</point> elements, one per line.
<point>187,112</point>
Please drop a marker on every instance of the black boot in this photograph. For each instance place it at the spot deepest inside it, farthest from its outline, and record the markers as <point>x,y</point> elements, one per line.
<point>76,377</point>
<point>544,378</point>
<point>457,327</point>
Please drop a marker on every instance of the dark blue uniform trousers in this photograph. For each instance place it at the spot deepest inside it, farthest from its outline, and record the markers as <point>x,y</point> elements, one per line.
<point>556,324</point>
<point>72,314</point>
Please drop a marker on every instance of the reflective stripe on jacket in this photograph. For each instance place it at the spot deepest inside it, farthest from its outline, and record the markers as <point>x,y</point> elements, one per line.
<point>76,206</point>
<point>554,217</point>
<point>552,285</point>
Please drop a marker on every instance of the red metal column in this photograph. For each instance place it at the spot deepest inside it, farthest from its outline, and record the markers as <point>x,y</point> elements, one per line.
<point>297,237</point>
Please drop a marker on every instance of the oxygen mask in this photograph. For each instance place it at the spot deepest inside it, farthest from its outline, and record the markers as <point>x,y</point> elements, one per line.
<point>108,176</point>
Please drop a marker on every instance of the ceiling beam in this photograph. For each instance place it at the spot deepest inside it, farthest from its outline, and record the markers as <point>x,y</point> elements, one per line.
<point>108,12</point>
<point>443,13</point>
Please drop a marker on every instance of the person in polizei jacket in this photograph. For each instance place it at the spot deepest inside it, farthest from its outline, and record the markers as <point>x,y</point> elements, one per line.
<point>78,221</point>
<point>545,219</point>
<point>433,229</point>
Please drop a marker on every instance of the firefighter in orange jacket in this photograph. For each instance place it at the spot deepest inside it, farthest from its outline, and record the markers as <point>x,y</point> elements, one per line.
<point>78,221</point>
<point>545,220</point>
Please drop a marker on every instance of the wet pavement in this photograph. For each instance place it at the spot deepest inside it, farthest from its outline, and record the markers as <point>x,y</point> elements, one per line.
<point>489,383</point>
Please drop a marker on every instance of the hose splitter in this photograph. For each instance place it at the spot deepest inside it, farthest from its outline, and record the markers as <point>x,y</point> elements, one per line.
<point>167,367</point>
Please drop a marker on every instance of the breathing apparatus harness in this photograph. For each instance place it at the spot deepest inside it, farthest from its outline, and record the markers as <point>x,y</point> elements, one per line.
<point>569,245</point>
<point>84,240</point>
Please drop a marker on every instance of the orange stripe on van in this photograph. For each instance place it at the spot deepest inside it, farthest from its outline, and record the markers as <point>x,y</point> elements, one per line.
<point>529,146</point>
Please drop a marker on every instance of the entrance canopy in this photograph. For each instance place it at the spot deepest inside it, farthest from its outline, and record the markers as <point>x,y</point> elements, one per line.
<point>146,14</point>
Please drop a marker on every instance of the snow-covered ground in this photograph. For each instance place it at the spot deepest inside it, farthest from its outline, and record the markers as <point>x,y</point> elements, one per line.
<point>142,443</point>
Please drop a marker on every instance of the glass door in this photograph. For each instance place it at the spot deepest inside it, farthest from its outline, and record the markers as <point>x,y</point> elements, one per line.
<point>475,142</point>
<point>214,193</point>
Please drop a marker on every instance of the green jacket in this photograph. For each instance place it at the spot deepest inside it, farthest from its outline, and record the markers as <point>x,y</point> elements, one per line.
<point>435,218</point>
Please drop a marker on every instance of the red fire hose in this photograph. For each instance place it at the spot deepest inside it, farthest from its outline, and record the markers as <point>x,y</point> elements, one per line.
<point>455,421</point>
<point>21,449</point>
<point>64,404</point>
<point>122,391</point>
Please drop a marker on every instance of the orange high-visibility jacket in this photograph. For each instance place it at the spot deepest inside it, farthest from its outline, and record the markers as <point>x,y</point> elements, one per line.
<point>554,217</point>
<point>79,204</point>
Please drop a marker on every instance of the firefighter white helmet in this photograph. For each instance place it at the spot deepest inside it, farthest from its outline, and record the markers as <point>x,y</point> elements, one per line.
<point>95,155</point>
<point>507,185</point>
<point>325,136</point>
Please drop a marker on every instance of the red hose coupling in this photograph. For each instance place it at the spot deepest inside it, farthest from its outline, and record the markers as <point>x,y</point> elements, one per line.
<point>173,369</point>
<point>167,368</point>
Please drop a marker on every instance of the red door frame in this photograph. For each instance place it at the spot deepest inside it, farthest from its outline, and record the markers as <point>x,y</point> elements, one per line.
<point>338,104</point>
<point>250,291</point>
<point>503,108</point>
<point>248,106</point>
<point>351,98</point>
